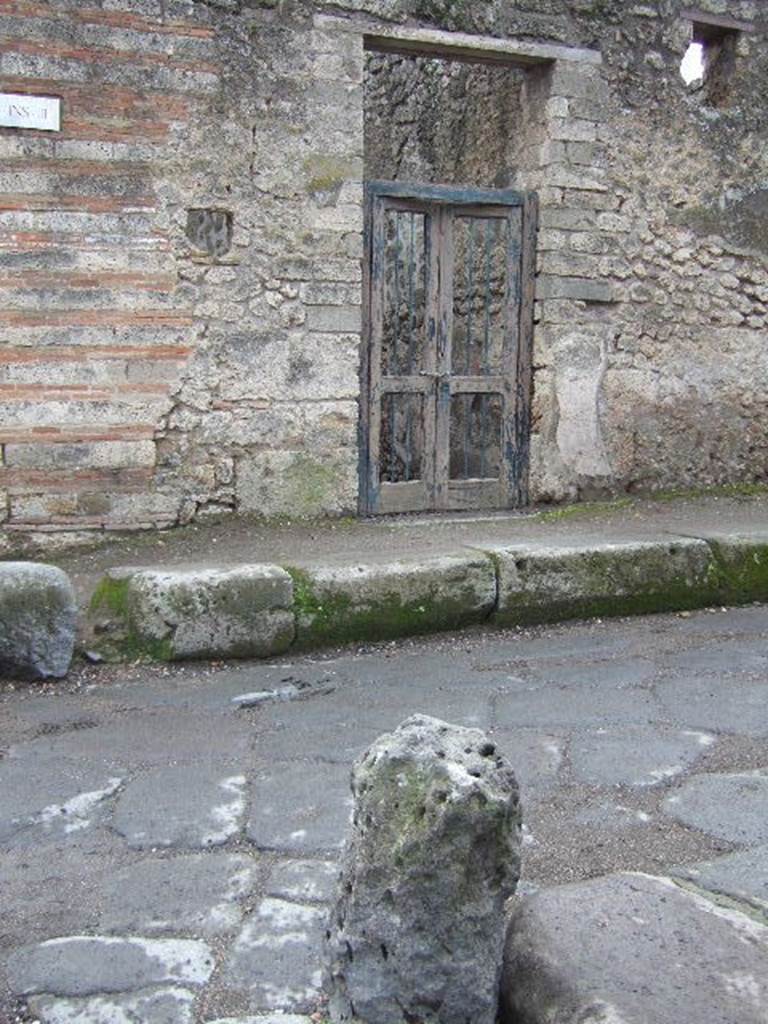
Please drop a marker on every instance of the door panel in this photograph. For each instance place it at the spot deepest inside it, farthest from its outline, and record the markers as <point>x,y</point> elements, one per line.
<point>446,403</point>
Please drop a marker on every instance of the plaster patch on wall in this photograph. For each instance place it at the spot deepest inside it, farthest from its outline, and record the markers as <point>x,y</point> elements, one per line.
<point>580,359</point>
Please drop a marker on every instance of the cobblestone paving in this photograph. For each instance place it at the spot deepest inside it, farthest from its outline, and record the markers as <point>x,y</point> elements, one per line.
<point>167,852</point>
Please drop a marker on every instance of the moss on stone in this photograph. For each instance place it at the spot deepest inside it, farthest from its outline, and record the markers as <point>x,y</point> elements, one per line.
<point>111,595</point>
<point>334,618</point>
<point>120,641</point>
<point>606,586</point>
<point>741,572</point>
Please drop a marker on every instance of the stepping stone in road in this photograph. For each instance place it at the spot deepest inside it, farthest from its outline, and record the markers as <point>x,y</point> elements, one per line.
<point>635,949</point>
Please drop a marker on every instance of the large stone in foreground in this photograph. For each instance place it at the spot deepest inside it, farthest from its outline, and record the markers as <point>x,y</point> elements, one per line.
<point>342,604</point>
<point>38,616</point>
<point>243,612</point>
<point>417,932</point>
<point>633,949</point>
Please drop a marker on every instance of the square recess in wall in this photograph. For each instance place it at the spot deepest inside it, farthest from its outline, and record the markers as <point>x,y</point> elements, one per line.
<point>210,230</point>
<point>711,56</point>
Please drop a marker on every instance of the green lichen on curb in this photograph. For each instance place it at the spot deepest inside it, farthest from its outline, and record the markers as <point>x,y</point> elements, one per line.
<point>117,639</point>
<point>740,571</point>
<point>607,589</point>
<point>330,618</point>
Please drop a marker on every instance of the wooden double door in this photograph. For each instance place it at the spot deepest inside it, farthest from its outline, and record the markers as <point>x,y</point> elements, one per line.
<point>446,400</point>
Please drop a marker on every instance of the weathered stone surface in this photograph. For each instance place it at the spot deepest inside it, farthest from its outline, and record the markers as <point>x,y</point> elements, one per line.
<point>170,1005</point>
<point>417,931</point>
<point>730,806</point>
<point>37,620</point>
<point>743,565</point>
<point>303,880</point>
<point>46,796</point>
<point>741,876</point>
<point>379,601</point>
<point>265,1018</point>
<point>635,949</point>
<point>276,958</point>
<point>194,893</point>
<point>635,755</point>
<point>300,808</point>
<point>188,806</point>
<point>82,965</point>
<point>204,613</point>
<point>705,702</point>
<point>538,583</point>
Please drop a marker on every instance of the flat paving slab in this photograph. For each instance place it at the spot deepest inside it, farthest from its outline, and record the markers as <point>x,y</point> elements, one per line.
<point>141,805</point>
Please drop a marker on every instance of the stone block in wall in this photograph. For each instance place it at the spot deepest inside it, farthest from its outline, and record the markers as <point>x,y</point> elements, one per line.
<point>346,217</point>
<point>567,219</point>
<point>550,287</point>
<point>244,612</point>
<point>334,319</point>
<point>570,130</point>
<point>566,177</point>
<point>297,483</point>
<point>578,80</point>
<point>330,425</point>
<point>330,293</point>
<point>251,364</point>
<point>566,264</point>
<point>323,366</point>
<point>80,455</point>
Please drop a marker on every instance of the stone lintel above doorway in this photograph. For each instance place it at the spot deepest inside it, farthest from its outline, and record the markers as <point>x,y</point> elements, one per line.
<point>417,41</point>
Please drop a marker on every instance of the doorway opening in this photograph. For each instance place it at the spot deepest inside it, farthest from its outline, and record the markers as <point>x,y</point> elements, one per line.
<point>450,251</point>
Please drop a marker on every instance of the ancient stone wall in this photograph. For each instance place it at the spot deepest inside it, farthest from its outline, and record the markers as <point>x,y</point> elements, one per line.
<point>181,264</point>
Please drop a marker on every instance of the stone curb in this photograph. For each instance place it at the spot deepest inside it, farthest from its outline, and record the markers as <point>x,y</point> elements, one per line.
<point>263,610</point>
<point>38,615</point>
<point>335,605</point>
<point>243,612</point>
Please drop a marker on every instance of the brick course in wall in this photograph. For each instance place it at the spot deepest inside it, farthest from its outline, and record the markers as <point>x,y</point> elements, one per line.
<point>147,380</point>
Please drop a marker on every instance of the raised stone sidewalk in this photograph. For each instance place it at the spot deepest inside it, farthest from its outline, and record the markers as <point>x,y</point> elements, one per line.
<point>246,589</point>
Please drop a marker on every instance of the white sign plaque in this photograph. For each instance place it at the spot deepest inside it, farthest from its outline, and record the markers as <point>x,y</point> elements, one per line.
<point>20,111</point>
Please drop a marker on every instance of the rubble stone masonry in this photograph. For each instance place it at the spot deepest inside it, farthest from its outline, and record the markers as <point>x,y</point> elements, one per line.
<point>180,265</point>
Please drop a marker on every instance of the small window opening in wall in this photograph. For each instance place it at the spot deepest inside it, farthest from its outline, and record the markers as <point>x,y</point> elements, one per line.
<point>692,67</point>
<point>710,60</point>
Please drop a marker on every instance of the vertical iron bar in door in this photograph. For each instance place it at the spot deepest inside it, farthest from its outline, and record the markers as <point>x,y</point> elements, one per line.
<point>486,368</point>
<point>443,218</point>
<point>467,399</point>
<point>411,324</point>
<point>394,359</point>
<point>431,344</point>
<point>510,440</point>
<point>523,368</point>
<point>375,357</point>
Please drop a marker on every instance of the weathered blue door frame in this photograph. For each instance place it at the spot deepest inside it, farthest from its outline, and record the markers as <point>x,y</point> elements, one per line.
<point>416,401</point>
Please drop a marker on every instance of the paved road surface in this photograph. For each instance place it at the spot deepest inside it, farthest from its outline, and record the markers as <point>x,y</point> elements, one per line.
<point>166,855</point>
